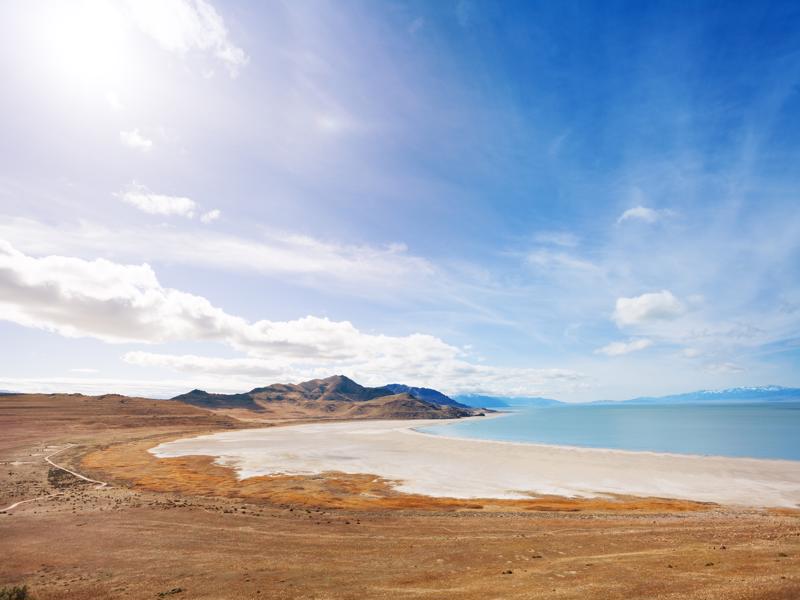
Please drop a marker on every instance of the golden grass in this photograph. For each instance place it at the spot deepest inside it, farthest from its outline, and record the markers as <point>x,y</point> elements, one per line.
<point>133,464</point>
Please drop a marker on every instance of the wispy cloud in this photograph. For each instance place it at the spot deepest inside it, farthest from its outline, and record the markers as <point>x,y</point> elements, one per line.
<point>134,139</point>
<point>126,303</point>
<point>210,216</point>
<point>620,348</point>
<point>183,25</point>
<point>643,213</point>
<point>557,238</point>
<point>362,268</point>
<point>144,199</point>
<point>724,368</point>
<point>560,260</point>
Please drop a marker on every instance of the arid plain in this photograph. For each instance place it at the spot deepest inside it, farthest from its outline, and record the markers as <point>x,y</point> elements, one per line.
<point>185,528</point>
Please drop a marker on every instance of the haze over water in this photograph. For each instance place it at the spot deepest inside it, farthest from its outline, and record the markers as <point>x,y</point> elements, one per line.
<point>756,430</point>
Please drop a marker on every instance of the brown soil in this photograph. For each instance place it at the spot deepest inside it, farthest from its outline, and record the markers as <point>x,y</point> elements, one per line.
<point>185,528</point>
<point>134,466</point>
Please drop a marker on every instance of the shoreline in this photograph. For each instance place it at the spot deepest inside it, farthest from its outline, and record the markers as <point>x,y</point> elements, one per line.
<point>443,466</point>
<point>447,422</point>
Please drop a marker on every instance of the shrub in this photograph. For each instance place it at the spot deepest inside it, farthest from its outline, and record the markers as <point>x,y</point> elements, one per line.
<point>17,592</point>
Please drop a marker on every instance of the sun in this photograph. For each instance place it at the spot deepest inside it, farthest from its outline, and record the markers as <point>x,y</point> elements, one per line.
<point>86,42</point>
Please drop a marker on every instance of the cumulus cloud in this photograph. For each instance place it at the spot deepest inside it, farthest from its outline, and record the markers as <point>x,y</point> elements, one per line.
<point>210,216</point>
<point>446,373</point>
<point>134,139</point>
<point>157,204</point>
<point>126,303</point>
<point>643,213</point>
<point>188,25</point>
<point>101,299</point>
<point>620,348</point>
<point>647,308</point>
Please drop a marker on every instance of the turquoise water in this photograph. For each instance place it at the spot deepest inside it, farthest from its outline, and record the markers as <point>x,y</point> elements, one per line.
<point>754,430</point>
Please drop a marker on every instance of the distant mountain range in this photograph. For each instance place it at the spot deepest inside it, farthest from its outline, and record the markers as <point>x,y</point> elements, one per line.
<point>334,397</point>
<point>478,400</point>
<point>770,393</point>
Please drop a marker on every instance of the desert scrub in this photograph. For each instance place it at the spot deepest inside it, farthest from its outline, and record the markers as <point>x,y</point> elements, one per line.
<point>17,592</point>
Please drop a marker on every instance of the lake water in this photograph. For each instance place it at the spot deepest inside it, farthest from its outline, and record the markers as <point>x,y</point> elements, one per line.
<point>751,430</point>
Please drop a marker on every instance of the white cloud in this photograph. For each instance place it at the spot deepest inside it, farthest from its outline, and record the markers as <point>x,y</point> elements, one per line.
<point>620,348</point>
<point>157,204</point>
<point>445,373</point>
<point>724,368</point>
<point>691,352</point>
<point>189,363</point>
<point>161,388</point>
<point>134,139</point>
<point>643,213</point>
<point>100,299</point>
<point>126,303</point>
<point>310,261</point>
<point>560,260</point>
<point>655,306</point>
<point>183,25</point>
<point>210,216</point>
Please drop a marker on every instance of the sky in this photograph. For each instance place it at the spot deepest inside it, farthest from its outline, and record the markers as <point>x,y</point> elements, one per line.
<point>578,200</point>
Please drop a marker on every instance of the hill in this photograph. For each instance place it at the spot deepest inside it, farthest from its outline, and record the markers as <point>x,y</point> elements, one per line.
<point>427,394</point>
<point>333,397</point>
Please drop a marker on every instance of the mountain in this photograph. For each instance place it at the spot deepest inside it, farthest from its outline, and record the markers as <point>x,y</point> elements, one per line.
<point>770,393</point>
<point>477,400</point>
<point>427,394</point>
<point>203,399</point>
<point>332,397</point>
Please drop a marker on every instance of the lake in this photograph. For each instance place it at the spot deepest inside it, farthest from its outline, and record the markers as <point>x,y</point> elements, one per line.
<point>758,430</point>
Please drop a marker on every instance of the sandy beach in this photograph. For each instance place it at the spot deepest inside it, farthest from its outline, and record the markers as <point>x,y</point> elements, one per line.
<point>443,466</point>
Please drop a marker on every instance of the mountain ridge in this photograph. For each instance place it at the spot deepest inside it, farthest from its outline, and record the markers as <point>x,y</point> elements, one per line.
<point>427,394</point>
<point>476,400</point>
<point>767,393</point>
<point>337,396</point>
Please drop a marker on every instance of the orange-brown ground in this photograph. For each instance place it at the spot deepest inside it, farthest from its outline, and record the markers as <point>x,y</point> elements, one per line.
<point>185,524</point>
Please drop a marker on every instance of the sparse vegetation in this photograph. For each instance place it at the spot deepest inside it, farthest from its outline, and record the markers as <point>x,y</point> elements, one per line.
<point>16,592</point>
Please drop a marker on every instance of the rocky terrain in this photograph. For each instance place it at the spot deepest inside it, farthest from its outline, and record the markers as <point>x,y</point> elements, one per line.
<point>333,397</point>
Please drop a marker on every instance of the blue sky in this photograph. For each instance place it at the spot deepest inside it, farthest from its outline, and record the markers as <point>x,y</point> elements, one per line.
<point>576,200</point>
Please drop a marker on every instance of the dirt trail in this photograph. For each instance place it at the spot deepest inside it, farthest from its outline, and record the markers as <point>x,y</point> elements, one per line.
<point>100,484</point>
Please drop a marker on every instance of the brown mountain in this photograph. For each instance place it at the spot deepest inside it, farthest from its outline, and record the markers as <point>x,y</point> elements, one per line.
<point>333,397</point>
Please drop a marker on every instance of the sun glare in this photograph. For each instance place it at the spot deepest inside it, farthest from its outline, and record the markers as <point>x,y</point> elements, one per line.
<point>86,42</point>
